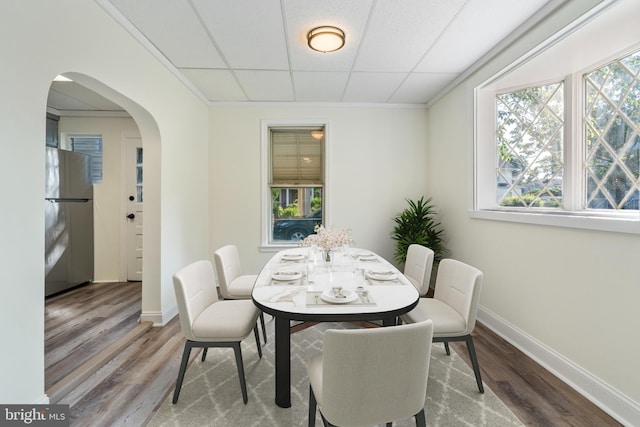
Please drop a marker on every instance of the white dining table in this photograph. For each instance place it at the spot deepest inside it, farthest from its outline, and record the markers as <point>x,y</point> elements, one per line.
<point>297,285</point>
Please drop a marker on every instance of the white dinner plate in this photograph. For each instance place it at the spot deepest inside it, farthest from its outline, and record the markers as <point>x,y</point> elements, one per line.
<point>293,257</point>
<point>367,257</point>
<point>286,275</point>
<point>349,296</point>
<point>382,274</point>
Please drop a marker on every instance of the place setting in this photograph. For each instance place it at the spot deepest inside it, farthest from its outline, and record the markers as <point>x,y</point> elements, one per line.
<point>287,277</point>
<point>338,295</point>
<point>364,256</point>
<point>293,257</point>
<point>381,277</point>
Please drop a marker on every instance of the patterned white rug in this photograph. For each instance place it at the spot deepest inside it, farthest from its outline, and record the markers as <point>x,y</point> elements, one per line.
<point>211,394</point>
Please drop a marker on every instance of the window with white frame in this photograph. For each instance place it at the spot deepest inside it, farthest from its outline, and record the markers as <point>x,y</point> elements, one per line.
<point>91,146</point>
<point>558,137</point>
<point>294,157</point>
<point>612,134</point>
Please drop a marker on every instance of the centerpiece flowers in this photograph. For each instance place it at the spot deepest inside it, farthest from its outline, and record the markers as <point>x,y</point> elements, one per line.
<point>328,239</point>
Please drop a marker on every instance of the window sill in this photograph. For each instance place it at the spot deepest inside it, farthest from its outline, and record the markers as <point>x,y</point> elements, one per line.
<point>277,247</point>
<point>627,224</point>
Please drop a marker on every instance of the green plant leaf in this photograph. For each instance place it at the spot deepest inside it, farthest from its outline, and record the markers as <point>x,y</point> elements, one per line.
<point>418,224</point>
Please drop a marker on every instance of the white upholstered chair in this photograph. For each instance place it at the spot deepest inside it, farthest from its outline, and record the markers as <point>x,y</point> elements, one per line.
<point>371,376</point>
<point>418,266</point>
<point>453,308</point>
<point>207,321</point>
<point>233,284</point>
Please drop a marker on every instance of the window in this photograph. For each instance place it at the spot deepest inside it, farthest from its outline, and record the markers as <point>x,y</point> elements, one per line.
<point>557,135</point>
<point>139,170</point>
<point>530,127</point>
<point>612,134</point>
<point>91,146</point>
<point>295,182</point>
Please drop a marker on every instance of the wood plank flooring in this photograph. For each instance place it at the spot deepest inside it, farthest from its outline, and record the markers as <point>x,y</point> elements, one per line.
<point>128,389</point>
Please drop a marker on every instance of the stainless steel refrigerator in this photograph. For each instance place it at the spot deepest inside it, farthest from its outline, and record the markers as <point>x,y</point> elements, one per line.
<point>68,205</point>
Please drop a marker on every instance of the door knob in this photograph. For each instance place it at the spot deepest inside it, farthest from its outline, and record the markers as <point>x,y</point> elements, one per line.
<point>131,216</point>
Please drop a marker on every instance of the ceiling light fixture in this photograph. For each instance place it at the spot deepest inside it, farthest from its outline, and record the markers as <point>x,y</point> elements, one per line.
<point>317,134</point>
<point>325,39</point>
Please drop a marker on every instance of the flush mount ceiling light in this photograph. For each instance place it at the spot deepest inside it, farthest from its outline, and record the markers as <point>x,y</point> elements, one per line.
<point>325,39</point>
<point>317,134</point>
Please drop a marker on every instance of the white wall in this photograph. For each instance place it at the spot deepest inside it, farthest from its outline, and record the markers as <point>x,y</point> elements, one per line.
<point>77,36</point>
<point>571,295</point>
<point>377,160</point>
<point>107,197</point>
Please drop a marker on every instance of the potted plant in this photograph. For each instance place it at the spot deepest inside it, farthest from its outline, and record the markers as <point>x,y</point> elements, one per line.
<point>418,224</point>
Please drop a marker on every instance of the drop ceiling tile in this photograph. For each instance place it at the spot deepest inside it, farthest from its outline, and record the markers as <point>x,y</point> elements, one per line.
<point>215,85</point>
<point>400,33</point>
<point>372,87</point>
<point>251,50</point>
<point>479,26</point>
<point>303,15</point>
<point>173,27</point>
<point>250,34</point>
<point>266,85</point>
<point>419,88</point>
<point>319,86</point>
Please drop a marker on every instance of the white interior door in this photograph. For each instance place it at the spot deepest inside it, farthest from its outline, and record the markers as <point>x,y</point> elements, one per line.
<point>134,217</point>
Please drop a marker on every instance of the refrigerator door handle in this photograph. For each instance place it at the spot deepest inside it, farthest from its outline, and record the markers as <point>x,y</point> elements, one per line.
<point>56,200</point>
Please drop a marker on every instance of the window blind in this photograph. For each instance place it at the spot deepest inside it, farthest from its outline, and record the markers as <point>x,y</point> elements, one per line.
<point>296,157</point>
<point>92,147</point>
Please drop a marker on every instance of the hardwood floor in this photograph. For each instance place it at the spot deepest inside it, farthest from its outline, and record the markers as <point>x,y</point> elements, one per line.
<point>130,386</point>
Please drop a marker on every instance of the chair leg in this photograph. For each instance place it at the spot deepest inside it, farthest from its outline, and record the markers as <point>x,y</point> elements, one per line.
<point>474,362</point>
<point>264,329</point>
<point>420,419</point>
<point>182,370</point>
<point>240,365</point>
<point>312,408</point>
<point>446,347</point>
<point>204,353</point>
<point>255,333</point>
<point>325,422</point>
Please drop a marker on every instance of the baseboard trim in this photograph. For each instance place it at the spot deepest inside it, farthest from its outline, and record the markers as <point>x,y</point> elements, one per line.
<point>159,318</point>
<point>43,400</point>
<point>618,405</point>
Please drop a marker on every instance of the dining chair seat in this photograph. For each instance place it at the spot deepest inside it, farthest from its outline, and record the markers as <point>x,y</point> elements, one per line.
<point>446,321</point>
<point>241,287</point>
<point>213,325</point>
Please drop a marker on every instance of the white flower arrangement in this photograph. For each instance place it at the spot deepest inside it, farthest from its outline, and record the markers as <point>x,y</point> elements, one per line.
<point>328,239</point>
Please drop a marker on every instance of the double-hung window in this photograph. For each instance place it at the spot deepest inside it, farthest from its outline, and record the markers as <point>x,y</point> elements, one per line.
<point>294,190</point>
<point>558,139</point>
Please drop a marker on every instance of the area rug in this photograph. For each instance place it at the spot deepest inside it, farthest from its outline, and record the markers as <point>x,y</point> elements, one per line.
<point>211,396</point>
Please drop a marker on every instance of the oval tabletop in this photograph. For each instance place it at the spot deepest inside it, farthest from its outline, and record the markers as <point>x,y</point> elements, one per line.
<point>292,284</point>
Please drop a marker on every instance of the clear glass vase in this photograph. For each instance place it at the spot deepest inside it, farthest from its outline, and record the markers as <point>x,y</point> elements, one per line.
<point>327,257</point>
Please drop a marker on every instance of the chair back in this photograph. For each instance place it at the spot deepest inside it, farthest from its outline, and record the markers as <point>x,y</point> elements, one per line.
<point>458,285</point>
<point>375,375</point>
<point>195,291</point>
<point>417,267</point>
<point>228,267</point>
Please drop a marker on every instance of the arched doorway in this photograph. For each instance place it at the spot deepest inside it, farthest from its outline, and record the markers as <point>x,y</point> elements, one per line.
<point>120,128</point>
